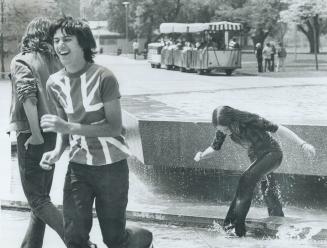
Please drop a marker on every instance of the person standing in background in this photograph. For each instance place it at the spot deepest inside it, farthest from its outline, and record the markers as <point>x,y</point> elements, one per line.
<point>135,48</point>
<point>272,60</point>
<point>281,56</point>
<point>258,54</point>
<point>266,54</point>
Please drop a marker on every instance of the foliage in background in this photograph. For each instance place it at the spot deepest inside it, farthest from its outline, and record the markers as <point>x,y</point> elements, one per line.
<point>69,7</point>
<point>259,18</point>
<point>17,14</point>
<point>145,16</point>
<point>310,16</point>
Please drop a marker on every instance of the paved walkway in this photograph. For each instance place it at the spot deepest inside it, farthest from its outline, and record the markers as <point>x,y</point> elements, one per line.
<point>137,78</point>
<point>13,225</point>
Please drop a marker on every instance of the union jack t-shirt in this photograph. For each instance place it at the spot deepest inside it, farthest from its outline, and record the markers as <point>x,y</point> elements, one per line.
<point>82,96</point>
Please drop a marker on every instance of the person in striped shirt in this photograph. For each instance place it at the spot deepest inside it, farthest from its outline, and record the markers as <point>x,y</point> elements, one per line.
<point>87,99</point>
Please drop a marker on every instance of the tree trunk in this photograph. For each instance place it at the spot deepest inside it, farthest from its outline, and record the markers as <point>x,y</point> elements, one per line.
<point>259,37</point>
<point>316,33</point>
<point>315,41</point>
<point>312,40</point>
<point>149,33</point>
<point>307,30</point>
<point>282,31</point>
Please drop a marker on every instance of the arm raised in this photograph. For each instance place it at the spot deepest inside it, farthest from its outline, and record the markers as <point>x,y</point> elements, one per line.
<point>307,148</point>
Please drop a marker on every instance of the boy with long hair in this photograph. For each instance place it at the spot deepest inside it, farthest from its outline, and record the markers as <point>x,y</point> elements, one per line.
<point>30,70</point>
<point>87,99</point>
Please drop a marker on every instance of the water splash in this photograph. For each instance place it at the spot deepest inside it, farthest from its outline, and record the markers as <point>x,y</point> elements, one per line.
<point>300,231</point>
<point>216,227</point>
<point>139,192</point>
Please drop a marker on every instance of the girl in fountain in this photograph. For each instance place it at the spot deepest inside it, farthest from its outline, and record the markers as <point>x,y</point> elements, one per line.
<point>252,132</point>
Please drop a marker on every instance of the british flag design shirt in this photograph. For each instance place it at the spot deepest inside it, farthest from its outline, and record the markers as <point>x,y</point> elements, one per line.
<point>81,95</point>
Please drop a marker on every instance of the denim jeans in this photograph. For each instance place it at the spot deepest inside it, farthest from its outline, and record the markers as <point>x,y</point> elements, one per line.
<point>267,65</point>
<point>259,60</point>
<point>260,170</point>
<point>107,185</point>
<point>36,184</point>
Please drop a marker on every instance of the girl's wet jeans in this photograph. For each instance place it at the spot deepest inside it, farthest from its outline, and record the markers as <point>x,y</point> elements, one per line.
<point>36,184</point>
<point>260,170</point>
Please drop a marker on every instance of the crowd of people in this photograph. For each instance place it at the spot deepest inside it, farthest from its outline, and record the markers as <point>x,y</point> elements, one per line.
<point>266,57</point>
<point>198,43</point>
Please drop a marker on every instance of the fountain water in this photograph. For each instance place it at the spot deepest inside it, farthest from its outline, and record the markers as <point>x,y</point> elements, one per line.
<point>165,180</point>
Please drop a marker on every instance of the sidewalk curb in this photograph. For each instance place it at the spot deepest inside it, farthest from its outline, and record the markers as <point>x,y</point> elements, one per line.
<point>137,215</point>
<point>162,218</point>
<point>267,227</point>
<point>259,227</point>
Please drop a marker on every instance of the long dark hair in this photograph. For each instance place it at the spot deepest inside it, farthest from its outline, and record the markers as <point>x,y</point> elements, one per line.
<point>222,115</point>
<point>81,30</point>
<point>229,117</point>
<point>37,37</point>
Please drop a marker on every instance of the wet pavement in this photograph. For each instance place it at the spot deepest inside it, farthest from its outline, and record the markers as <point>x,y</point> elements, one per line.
<point>175,222</point>
<point>14,223</point>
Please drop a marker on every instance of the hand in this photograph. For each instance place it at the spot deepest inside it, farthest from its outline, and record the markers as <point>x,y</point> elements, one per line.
<point>34,140</point>
<point>309,150</point>
<point>53,123</point>
<point>49,159</point>
<point>198,156</point>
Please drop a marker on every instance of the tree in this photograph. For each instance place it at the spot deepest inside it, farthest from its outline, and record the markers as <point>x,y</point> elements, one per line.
<point>145,16</point>
<point>114,12</point>
<point>18,13</point>
<point>95,10</point>
<point>151,13</point>
<point>309,16</point>
<point>69,7</point>
<point>259,18</point>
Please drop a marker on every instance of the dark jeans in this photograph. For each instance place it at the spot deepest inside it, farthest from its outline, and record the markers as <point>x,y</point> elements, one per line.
<point>259,60</point>
<point>272,66</point>
<point>136,52</point>
<point>108,186</point>
<point>267,64</point>
<point>259,169</point>
<point>36,184</point>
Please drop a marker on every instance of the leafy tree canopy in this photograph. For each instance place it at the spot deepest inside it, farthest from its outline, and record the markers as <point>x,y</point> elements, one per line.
<point>310,17</point>
<point>300,10</point>
<point>260,18</point>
